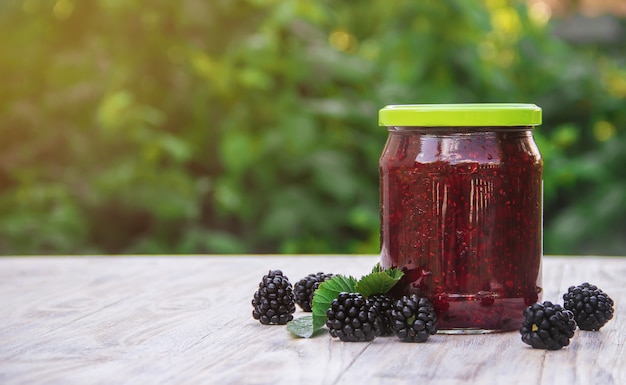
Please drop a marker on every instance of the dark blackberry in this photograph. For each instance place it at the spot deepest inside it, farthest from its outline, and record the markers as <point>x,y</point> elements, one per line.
<point>414,318</point>
<point>592,307</point>
<point>305,288</point>
<point>547,326</point>
<point>352,318</point>
<point>384,303</point>
<point>273,302</point>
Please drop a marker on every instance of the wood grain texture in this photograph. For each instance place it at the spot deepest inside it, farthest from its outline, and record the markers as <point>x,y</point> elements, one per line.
<point>187,320</point>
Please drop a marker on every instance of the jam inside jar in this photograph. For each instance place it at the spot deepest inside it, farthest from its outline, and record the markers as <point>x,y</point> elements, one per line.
<point>461,210</point>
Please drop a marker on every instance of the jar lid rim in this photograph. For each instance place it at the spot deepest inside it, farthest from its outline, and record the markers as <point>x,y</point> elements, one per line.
<point>468,114</point>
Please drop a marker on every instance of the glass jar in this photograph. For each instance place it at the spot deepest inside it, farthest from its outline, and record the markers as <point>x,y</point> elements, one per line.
<point>461,210</point>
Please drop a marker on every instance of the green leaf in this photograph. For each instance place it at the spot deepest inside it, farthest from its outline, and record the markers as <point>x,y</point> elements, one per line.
<point>326,293</point>
<point>395,273</point>
<point>301,327</point>
<point>378,282</point>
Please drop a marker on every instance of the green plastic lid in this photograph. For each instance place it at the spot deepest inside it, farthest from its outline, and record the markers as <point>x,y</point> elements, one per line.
<point>460,115</point>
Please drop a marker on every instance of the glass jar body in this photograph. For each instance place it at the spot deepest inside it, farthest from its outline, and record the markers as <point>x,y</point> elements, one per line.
<point>461,215</point>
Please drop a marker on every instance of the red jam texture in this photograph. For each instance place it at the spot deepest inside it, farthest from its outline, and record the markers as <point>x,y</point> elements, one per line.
<point>461,214</point>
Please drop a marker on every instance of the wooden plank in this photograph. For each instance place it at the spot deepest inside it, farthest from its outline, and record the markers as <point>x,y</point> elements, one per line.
<point>164,320</point>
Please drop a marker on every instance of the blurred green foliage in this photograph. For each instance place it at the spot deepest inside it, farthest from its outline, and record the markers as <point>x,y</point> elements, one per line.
<point>232,126</point>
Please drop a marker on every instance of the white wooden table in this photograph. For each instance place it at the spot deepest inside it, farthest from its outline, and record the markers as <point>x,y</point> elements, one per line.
<point>187,320</point>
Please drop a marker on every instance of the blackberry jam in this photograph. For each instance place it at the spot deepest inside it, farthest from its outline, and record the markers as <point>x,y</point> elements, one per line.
<point>461,210</point>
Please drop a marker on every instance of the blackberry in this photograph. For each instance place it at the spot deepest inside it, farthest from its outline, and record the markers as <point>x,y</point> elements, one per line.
<point>414,318</point>
<point>273,302</point>
<point>592,307</point>
<point>384,303</point>
<point>305,288</point>
<point>352,318</point>
<point>547,326</point>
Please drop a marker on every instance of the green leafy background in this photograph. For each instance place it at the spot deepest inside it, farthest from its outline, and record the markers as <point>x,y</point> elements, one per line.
<point>232,126</point>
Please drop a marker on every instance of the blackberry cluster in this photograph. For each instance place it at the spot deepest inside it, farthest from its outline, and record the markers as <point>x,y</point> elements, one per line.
<point>547,326</point>
<point>592,307</point>
<point>352,318</point>
<point>384,303</point>
<point>305,288</point>
<point>414,318</point>
<point>274,302</point>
